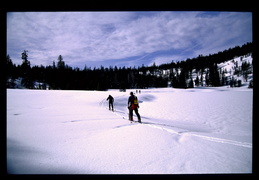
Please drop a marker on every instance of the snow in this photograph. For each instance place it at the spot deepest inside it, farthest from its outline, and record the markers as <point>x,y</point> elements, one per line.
<point>192,131</point>
<point>229,68</point>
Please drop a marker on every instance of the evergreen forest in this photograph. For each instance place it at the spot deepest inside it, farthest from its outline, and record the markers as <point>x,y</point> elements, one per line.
<point>60,75</point>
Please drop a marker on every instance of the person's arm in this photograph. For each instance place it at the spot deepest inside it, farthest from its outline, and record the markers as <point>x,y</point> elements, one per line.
<point>129,102</point>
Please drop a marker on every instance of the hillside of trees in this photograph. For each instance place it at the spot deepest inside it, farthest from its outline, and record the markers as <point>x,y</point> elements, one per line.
<point>59,75</point>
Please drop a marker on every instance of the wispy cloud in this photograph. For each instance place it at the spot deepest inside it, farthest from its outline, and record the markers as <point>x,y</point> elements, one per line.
<point>117,37</point>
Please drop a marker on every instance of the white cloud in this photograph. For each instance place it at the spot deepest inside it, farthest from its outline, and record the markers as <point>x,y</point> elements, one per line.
<point>98,36</point>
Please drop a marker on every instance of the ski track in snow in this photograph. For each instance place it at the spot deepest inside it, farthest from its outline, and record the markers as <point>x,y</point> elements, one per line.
<point>182,132</point>
<point>209,138</point>
<point>124,115</point>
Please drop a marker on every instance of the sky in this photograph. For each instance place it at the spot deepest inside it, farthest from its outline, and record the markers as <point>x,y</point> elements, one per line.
<point>133,38</point>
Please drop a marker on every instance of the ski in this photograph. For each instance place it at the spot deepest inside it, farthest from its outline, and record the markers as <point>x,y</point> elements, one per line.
<point>123,117</point>
<point>134,122</point>
<point>130,120</point>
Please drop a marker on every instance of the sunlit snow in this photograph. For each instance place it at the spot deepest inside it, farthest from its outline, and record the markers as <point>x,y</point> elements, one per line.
<point>199,130</point>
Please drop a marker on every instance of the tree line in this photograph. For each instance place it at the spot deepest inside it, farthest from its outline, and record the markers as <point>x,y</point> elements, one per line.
<point>59,75</point>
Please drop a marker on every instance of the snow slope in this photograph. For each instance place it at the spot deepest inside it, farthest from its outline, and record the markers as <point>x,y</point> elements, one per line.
<point>229,67</point>
<point>200,130</point>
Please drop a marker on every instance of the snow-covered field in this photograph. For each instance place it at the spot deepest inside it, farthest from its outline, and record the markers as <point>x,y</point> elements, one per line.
<point>200,130</point>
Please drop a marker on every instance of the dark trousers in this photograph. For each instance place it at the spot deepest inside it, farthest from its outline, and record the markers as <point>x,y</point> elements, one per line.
<point>110,105</point>
<point>131,114</point>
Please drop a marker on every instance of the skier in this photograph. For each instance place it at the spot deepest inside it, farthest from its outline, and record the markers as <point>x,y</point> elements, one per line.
<point>133,105</point>
<point>111,100</point>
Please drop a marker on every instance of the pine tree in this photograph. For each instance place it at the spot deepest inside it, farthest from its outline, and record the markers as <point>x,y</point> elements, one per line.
<point>216,74</point>
<point>25,63</point>
<point>60,63</point>
<point>197,81</point>
<point>9,66</point>
<point>9,73</point>
<point>54,65</point>
<point>214,79</point>
<point>25,68</point>
<point>190,85</point>
<point>223,78</point>
<point>182,79</point>
<point>202,70</point>
<point>207,78</point>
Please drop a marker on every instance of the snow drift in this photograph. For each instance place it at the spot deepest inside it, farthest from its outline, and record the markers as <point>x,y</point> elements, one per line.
<point>200,130</point>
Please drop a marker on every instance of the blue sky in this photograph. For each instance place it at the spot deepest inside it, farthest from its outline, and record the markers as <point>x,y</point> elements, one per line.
<point>123,38</point>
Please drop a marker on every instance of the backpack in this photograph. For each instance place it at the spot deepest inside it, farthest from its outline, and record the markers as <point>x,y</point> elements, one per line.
<point>135,100</point>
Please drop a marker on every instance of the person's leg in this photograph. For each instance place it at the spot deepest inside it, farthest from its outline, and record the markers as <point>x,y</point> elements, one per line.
<point>136,112</point>
<point>130,114</point>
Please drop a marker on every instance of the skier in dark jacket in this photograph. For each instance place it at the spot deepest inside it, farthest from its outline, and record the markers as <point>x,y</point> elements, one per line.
<point>111,100</point>
<point>133,105</point>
